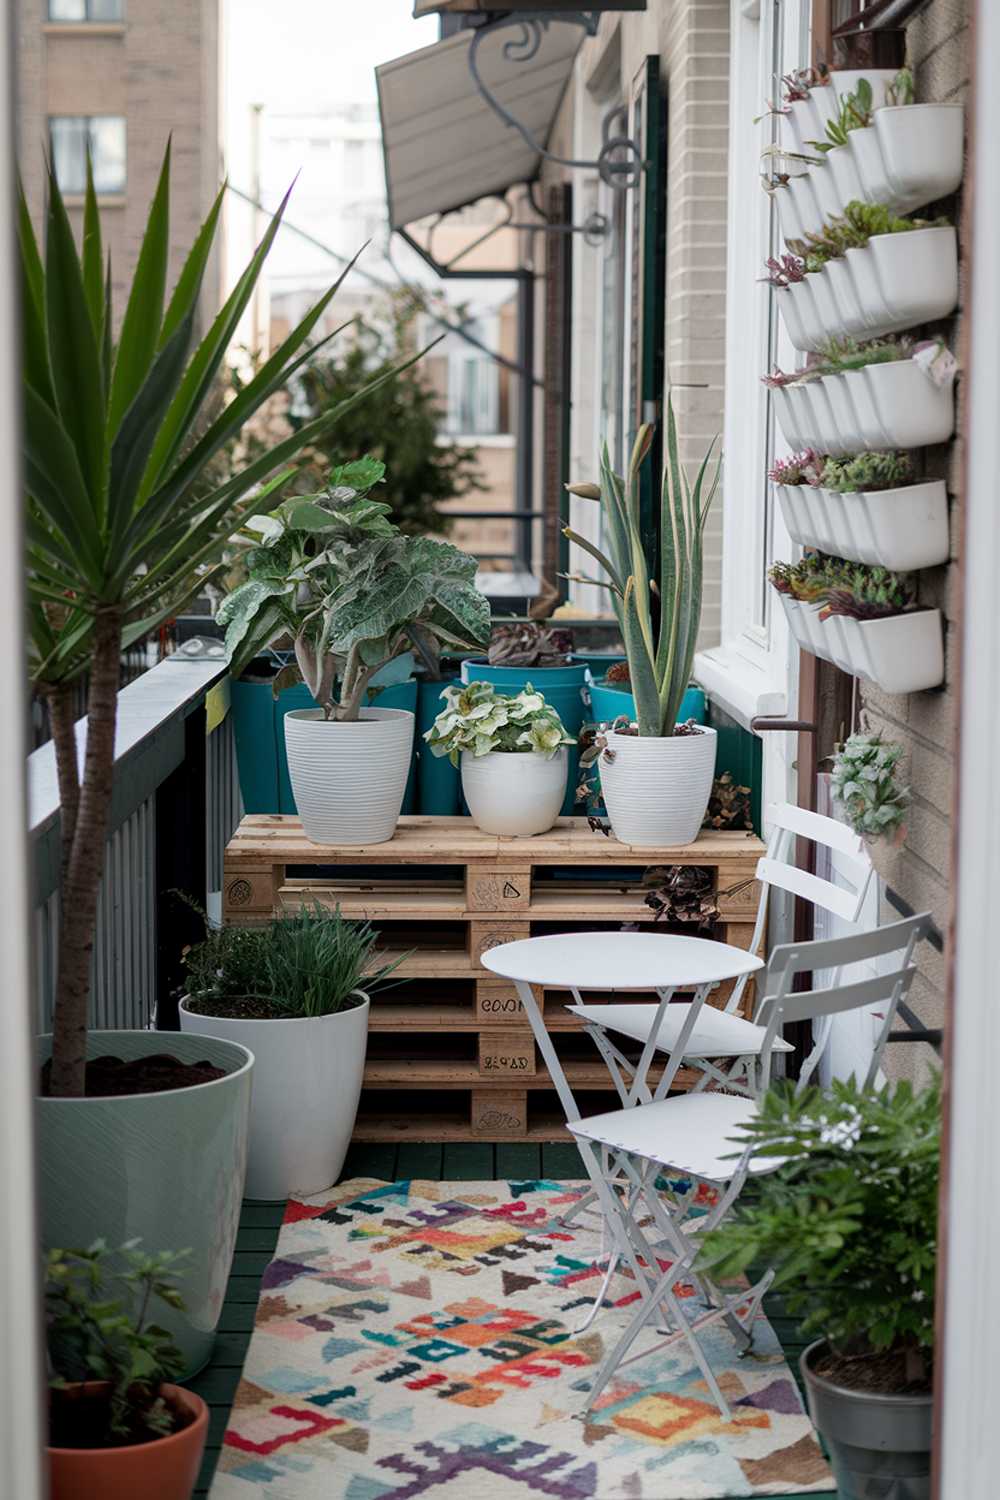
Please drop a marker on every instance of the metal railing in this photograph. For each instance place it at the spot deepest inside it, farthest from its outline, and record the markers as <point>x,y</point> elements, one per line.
<point>176,804</point>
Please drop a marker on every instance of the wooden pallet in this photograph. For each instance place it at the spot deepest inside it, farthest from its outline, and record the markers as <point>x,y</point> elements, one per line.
<point>451,1034</point>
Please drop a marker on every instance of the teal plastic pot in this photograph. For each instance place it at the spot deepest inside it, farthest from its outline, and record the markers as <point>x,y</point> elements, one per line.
<point>166,1168</point>
<point>258,722</point>
<point>606,703</point>
<point>439,786</point>
<point>566,689</point>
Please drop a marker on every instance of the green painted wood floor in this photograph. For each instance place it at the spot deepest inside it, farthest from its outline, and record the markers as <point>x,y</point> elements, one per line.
<point>258,1234</point>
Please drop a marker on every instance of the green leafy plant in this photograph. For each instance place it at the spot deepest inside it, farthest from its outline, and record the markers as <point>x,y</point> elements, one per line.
<point>92,1336</point>
<point>123,521</point>
<point>479,719</point>
<point>658,617</point>
<point>332,571</point>
<point>855,114</point>
<point>529,643</point>
<point>847,353</point>
<point>866,471</point>
<point>809,580</point>
<point>902,89</point>
<point>864,782</point>
<point>848,1219</point>
<point>867,593</point>
<point>304,963</point>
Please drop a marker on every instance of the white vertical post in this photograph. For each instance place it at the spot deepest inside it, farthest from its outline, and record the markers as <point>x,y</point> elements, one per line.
<point>20,1344</point>
<point>968,1375</point>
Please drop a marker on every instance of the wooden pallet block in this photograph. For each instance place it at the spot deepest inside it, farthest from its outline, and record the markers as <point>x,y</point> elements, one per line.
<point>486,890</point>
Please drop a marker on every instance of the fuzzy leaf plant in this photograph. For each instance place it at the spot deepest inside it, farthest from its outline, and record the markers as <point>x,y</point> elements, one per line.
<point>658,615</point>
<point>125,516</point>
<point>333,572</point>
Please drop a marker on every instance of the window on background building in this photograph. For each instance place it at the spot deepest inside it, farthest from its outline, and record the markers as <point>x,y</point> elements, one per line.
<point>86,10</point>
<point>473,392</point>
<point>103,136</point>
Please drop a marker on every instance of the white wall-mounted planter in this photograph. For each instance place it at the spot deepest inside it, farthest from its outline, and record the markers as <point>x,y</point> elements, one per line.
<point>845,81</point>
<point>902,529</point>
<point>514,794</point>
<point>844,168</point>
<point>893,405</point>
<point>787,417</point>
<point>807,210</point>
<point>909,408</point>
<point>794,313</point>
<point>902,654</point>
<point>788,214</point>
<point>916,274</point>
<point>306,1085</point>
<point>825,107</point>
<point>921,147</point>
<point>872,176</point>
<point>348,780</point>
<point>656,790</point>
<point>845,298</point>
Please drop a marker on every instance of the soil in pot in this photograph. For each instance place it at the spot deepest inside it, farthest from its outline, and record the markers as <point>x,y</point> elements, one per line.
<point>885,1372</point>
<point>156,1468</point>
<point>80,1417</point>
<point>252,1008</point>
<point>159,1073</point>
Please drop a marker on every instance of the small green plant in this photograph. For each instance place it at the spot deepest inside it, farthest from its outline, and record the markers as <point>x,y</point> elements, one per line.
<point>847,354</point>
<point>92,1336</point>
<point>848,1219</point>
<point>479,719</point>
<point>866,471</point>
<point>902,89</point>
<point>855,114</point>
<point>867,593</point>
<point>809,580</point>
<point>864,783</point>
<point>306,963</point>
<point>529,643</point>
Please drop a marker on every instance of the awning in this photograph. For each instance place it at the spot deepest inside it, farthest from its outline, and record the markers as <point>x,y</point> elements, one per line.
<point>444,146</point>
<point>474,7</point>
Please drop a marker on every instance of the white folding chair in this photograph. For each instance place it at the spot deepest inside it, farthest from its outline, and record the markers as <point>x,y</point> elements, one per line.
<point>727,1033</point>
<point>692,1135</point>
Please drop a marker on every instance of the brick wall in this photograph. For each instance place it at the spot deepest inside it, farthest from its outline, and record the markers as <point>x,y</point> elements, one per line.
<point>925,723</point>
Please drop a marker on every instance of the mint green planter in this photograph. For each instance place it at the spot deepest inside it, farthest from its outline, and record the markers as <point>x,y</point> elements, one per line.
<point>606,703</point>
<point>566,689</point>
<point>165,1168</point>
<point>439,784</point>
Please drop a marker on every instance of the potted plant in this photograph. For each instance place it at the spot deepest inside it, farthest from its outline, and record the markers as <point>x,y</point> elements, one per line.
<point>126,519</point>
<point>118,1426</point>
<point>613,696</point>
<point>848,1221</point>
<point>512,750</point>
<point>863,781</point>
<point>354,593</point>
<point>656,774</point>
<point>295,992</point>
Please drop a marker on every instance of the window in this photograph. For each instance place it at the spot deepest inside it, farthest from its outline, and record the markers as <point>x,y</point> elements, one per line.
<point>103,137</point>
<point>86,10</point>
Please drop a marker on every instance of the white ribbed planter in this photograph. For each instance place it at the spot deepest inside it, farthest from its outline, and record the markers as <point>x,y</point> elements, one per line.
<point>921,149</point>
<point>910,409</point>
<point>806,207</point>
<point>902,654</point>
<point>894,405</point>
<point>788,215</point>
<point>348,779</point>
<point>656,790</point>
<point>875,184</point>
<point>916,274</point>
<point>846,80</point>
<point>306,1086</point>
<point>841,162</point>
<point>514,794</point>
<point>845,298</point>
<point>902,529</point>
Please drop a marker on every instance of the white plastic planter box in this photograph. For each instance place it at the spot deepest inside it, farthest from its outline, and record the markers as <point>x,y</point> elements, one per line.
<point>902,529</point>
<point>841,163</point>
<point>807,210</point>
<point>881,406</point>
<point>916,274</point>
<point>902,654</point>
<point>790,304</point>
<point>845,299</point>
<point>787,417</point>
<point>921,147</point>
<point>872,176</point>
<point>909,408</point>
<point>845,81</point>
<point>788,214</point>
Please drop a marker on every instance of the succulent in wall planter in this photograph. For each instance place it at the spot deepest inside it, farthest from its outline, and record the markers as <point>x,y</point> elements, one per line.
<point>656,775</point>
<point>295,992</point>
<point>512,749</point>
<point>332,571</point>
<point>863,781</point>
<point>118,1425</point>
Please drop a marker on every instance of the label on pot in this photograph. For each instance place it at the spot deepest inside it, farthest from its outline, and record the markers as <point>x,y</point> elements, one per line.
<point>937,362</point>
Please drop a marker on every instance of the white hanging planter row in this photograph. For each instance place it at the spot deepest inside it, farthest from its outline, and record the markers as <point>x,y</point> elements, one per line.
<point>901,529</point>
<point>879,407</point>
<point>901,653</point>
<point>894,282</point>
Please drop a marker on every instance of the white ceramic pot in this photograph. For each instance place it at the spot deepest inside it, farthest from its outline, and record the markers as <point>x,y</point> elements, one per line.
<point>306,1085</point>
<point>656,790</point>
<point>348,780</point>
<point>909,408</point>
<point>917,274</point>
<point>875,184</point>
<point>845,298</point>
<point>921,147</point>
<point>846,80</point>
<point>514,794</point>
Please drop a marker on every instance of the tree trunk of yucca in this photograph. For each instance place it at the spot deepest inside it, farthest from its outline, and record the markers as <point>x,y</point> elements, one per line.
<point>85,835</point>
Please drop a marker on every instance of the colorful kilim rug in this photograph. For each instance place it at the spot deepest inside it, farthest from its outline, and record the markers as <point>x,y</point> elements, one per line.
<point>415,1339</point>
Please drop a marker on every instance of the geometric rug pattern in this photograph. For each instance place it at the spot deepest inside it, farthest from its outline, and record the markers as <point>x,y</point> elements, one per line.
<point>415,1341</point>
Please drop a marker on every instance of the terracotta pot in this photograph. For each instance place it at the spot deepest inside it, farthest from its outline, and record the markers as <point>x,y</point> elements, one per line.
<point>164,1469</point>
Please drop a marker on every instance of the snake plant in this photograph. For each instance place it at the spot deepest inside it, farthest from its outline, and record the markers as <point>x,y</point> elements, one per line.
<point>658,616</point>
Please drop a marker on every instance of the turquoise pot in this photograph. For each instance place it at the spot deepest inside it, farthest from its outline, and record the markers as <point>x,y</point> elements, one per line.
<point>566,689</point>
<point>166,1168</point>
<point>258,720</point>
<point>439,783</point>
<point>607,703</point>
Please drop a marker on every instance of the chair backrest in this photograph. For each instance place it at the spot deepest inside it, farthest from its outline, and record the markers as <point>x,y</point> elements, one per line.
<point>782,1006</point>
<point>777,870</point>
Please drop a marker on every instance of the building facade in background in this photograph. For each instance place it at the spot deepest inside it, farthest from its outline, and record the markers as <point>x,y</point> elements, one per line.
<point>118,78</point>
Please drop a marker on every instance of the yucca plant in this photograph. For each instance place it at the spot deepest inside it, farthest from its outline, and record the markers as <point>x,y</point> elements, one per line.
<point>123,517</point>
<point>658,616</point>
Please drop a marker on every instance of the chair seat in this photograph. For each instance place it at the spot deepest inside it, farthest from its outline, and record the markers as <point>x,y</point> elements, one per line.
<point>717,1033</point>
<point>693,1133</point>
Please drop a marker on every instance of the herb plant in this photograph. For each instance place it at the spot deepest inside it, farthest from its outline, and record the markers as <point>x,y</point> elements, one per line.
<point>866,471</point>
<point>847,1220</point>
<point>94,1337</point>
<point>864,783</point>
<point>479,719</point>
<point>332,571</point>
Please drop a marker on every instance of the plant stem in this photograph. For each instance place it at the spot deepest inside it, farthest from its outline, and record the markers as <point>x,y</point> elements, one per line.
<point>60,698</point>
<point>85,862</point>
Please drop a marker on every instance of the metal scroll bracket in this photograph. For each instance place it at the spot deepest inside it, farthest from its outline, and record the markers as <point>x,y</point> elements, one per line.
<point>620,163</point>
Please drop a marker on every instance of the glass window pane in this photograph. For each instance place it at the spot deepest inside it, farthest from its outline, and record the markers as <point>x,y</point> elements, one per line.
<point>105,10</point>
<point>107,153</point>
<point>68,134</point>
<point>67,10</point>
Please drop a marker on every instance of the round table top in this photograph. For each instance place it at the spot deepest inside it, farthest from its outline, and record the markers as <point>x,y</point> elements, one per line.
<point>619,960</point>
